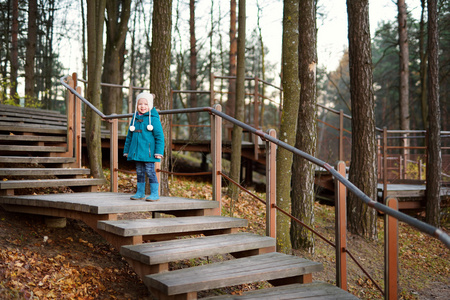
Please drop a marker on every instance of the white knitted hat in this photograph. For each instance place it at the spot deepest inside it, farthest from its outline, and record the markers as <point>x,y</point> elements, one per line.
<point>149,97</point>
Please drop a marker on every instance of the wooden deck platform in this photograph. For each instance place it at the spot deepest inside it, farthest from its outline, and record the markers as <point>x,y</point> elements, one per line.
<point>410,196</point>
<point>106,203</point>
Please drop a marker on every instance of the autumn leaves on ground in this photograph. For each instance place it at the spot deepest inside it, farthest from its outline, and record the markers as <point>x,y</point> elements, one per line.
<point>38,262</point>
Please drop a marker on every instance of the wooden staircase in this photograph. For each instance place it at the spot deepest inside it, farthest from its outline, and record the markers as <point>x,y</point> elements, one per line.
<point>34,152</point>
<point>170,230</point>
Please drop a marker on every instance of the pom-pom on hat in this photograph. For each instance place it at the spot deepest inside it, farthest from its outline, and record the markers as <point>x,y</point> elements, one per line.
<point>149,98</point>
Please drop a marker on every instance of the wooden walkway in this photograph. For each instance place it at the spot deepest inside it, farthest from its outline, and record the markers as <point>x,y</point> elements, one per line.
<point>411,196</point>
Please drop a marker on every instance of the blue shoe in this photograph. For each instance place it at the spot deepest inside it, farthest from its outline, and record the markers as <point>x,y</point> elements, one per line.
<point>140,193</point>
<point>154,195</point>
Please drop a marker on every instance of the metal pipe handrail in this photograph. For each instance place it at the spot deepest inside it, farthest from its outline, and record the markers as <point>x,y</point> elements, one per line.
<point>422,226</point>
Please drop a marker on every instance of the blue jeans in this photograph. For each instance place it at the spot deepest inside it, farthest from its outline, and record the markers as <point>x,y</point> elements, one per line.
<point>148,168</point>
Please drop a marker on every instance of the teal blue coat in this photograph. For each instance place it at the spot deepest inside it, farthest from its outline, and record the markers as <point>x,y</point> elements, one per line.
<point>142,144</point>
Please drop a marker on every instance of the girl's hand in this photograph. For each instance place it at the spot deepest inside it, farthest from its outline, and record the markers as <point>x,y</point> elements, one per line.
<point>158,156</point>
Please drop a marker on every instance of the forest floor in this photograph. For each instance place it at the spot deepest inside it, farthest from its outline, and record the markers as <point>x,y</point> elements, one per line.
<point>39,262</point>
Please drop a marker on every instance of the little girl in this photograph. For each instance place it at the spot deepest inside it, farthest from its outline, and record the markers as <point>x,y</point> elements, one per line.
<point>145,145</point>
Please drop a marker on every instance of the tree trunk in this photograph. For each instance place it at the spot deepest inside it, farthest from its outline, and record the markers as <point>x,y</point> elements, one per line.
<point>193,118</point>
<point>263,67</point>
<point>231,102</point>
<point>363,173</point>
<point>288,126</point>
<point>160,74</point>
<point>83,40</point>
<point>434,164</point>
<point>404,70</point>
<point>95,21</point>
<point>31,52</point>
<point>303,174</point>
<point>423,67</point>
<point>14,51</point>
<point>118,13</point>
<point>236,142</point>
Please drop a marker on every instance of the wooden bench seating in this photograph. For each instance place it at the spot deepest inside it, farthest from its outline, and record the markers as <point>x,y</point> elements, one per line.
<point>277,268</point>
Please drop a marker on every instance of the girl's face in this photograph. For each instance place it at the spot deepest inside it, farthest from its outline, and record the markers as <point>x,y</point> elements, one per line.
<point>142,106</point>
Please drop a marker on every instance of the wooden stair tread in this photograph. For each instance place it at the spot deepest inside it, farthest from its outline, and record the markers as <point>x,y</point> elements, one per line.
<point>33,138</point>
<point>270,266</point>
<point>36,159</point>
<point>27,148</point>
<point>106,202</point>
<point>4,108</point>
<point>161,226</point>
<point>315,290</point>
<point>42,171</point>
<point>18,184</point>
<point>35,128</point>
<point>41,121</point>
<point>173,250</point>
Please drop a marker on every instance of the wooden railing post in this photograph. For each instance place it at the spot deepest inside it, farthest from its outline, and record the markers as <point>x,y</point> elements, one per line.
<point>114,155</point>
<point>341,135</point>
<point>385,170</point>
<point>391,252</point>
<point>341,229</point>
<point>78,131</point>
<point>70,117</point>
<point>216,155</point>
<point>271,180</point>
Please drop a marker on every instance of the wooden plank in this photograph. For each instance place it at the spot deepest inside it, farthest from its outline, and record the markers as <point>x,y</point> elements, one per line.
<point>107,203</point>
<point>26,148</point>
<point>163,226</point>
<point>36,160</point>
<point>29,111</point>
<point>33,138</point>
<point>42,121</point>
<point>263,267</point>
<point>167,251</point>
<point>42,171</point>
<point>33,128</point>
<point>315,290</point>
<point>20,184</point>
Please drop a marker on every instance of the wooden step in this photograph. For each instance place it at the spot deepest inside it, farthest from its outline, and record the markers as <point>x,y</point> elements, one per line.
<point>150,258</point>
<point>107,203</point>
<point>36,160</point>
<point>33,138</point>
<point>33,128</point>
<point>21,184</point>
<point>277,268</point>
<point>42,171</point>
<point>32,112</point>
<point>26,148</point>
<point>311,291</point>
<point>40,121</point>
<point>169,228</point>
